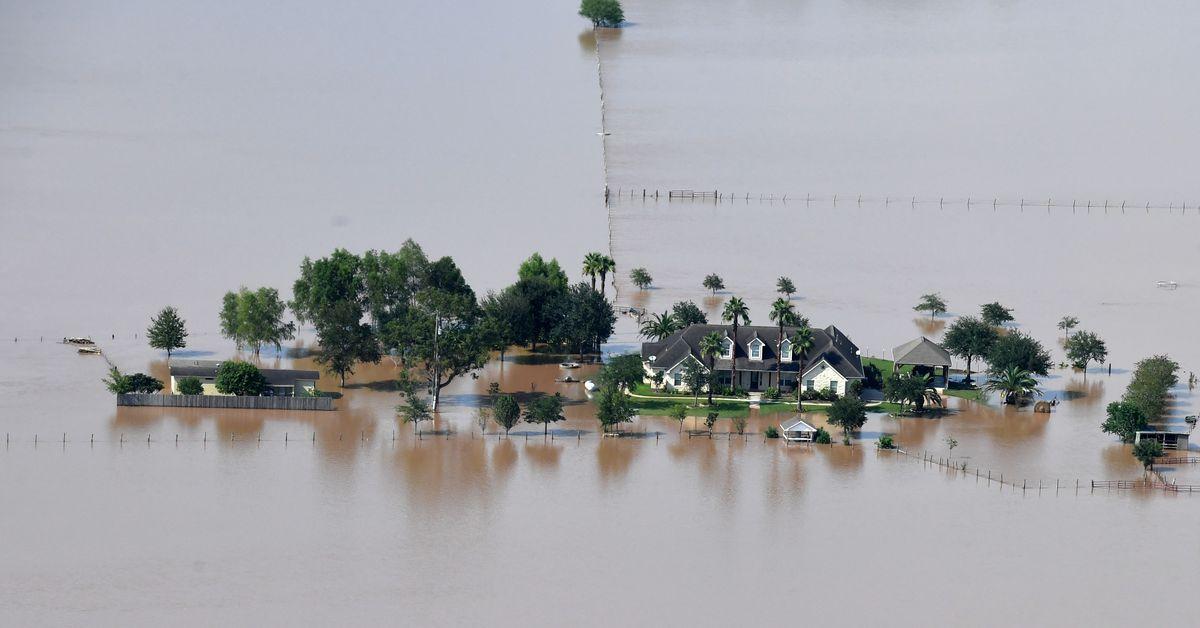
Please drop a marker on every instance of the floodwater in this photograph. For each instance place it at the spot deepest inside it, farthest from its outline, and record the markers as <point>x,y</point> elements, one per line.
<point>153,154</point>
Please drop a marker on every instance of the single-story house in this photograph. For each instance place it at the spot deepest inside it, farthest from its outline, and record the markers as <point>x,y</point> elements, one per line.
<point>280,382</point>
<point>798,431</point>
<point>1171,439</point>
<point>830,364</point>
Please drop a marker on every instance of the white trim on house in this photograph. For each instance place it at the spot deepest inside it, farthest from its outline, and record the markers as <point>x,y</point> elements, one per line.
<point>756,343</point>
<point>785,350</point>
<point>728,355</point>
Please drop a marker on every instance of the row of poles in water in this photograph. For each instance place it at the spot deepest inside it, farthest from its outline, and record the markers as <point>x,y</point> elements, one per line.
<point>887,201</point>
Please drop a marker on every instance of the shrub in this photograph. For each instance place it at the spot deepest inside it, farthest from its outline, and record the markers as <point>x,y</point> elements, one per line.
<point>143,383</point>
<point>822,437</point>
<point>772,394</point>
<point>855,388</point>
<point>771,432</point>
<point>711,420</point>
<point>240,378</point>
<point>191,386</point>
<point>739,424</point>
<point>1146,451</point>
<point>886,442</point>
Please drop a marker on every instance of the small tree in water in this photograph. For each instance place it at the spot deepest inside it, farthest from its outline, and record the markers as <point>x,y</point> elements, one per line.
<point>1146,451</point>
<point>1083,347</point>
<point>679,413</point>
<point>932,303</point>
<point>641,278</point>
<point>714,282</point>
<point>506,413</point>
<point>849,414</point>
<point>951,443</point>
<point>167,331</point>
<point>606,13</point>
<point>545,410</point>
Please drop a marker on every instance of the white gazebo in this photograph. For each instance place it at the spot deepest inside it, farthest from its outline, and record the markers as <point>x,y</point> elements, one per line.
<point>797,431</point>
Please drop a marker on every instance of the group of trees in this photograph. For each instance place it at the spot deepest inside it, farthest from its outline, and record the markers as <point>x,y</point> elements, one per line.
<point>911,390</point>
<point>1145,398</point>
<point>255,318</point>
<point>599,264</point>
<point>542,307</point>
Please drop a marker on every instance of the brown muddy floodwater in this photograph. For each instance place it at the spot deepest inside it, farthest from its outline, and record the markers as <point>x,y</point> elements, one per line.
<point>154,154</point>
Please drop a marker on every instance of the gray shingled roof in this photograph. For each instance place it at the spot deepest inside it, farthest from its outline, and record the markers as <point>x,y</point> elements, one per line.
<point>921,351</point>
<point>208,368</point>
<point>829,344</point>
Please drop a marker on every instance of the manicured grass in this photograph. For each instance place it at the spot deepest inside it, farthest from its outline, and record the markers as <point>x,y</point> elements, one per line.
<point>662,407</point>
<point>885,366</point>
<point>974,394</point>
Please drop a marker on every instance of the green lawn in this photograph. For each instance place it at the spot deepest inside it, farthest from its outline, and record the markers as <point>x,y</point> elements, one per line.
<point>662,407</point>
<point>974,394</point>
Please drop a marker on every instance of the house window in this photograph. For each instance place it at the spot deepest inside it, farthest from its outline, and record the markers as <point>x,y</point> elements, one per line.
<point>833,386</point>
<point>678,378</point>
<point>756,351</point>
<point>785,351</point>
<point>728,349</point>
<point>810,384</point>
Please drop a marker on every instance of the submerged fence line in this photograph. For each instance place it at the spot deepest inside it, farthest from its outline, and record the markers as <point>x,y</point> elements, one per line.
<point>716,196</point>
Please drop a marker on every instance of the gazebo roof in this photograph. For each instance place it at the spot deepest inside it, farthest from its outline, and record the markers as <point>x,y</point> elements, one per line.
<point>921,352</point>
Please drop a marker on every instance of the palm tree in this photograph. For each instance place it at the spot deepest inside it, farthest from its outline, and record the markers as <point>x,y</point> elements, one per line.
<point>783,313</point>
<point>591,266</point>
<point>924,392</point>
<point>802,341</point>
<point>1067,324</point>
<point>607,265</point>
<point>735,312</point>
<point>1013,383</point>
<point>711,345</point>
<point>659,326</point>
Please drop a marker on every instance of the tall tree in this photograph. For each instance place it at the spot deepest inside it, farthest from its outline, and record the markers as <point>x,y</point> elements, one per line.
<point>802,342</point>
<point>544,298</point>
<point>260,319</point>
<point>450,341</point>
<point>545,410</point>
<point>736,313</point>
<point>970,338</point>
<point>625,371</point>
<point>714,282</point>
<point>688,313</point>
<point>344,339</point>
<point>1016,349</point>
<point>995,314</point>
<point>784,286</point>
<point>607,265</point>
<point>695,377</point>
<point>231,324</point>
<point>167,331</point>
<point>1083,347</point>
<point>536,266</point>
<point>506,320</point>
<point>932,303</point>
<point>1067,323</point>
<point>783,314</point>
<point>591,266</point>
<point>324,284</point>
<point>587,320</point>
<point>711,346</point>
<point>1125,420</point>
<point>659,326</point>
<point>390,282</point>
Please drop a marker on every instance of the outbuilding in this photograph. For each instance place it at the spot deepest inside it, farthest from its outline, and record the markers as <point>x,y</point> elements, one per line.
<point>924,355</point>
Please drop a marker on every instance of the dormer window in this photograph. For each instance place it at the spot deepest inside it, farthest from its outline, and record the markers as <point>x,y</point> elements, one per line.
<point>728,344</point>
<point>756,347</point>
<point>785,350</point>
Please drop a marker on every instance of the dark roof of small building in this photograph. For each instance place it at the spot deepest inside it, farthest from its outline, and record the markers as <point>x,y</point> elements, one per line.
<point>208,368</point>
<point>921,352</point>
<point>829,344</point>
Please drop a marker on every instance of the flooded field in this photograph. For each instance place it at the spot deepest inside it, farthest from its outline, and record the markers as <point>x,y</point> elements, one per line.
<point>153,155</point>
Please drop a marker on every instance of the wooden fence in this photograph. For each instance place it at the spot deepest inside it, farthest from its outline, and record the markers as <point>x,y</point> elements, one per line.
<point>226,402</point>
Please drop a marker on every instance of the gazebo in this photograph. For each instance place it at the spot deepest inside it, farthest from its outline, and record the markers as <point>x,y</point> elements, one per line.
<point>923,354</point>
